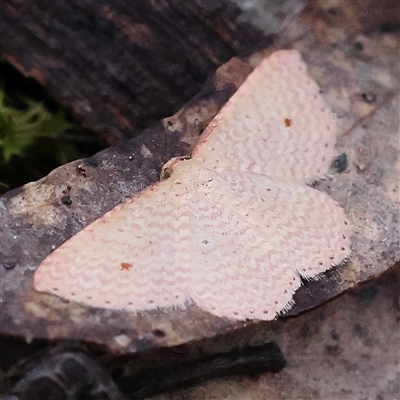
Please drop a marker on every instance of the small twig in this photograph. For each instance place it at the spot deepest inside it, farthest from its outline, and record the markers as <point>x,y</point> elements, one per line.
<point>370,115</point>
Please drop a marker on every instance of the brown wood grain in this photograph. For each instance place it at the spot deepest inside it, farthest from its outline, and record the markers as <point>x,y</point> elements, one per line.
<point>120,65</point>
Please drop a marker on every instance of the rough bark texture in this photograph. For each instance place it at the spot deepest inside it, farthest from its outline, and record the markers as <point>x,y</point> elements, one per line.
<point>121,65</point>
<point>359,78</point>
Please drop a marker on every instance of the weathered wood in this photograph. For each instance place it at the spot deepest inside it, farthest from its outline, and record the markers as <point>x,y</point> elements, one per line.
<point>35,216</point>
<point>121,65</point>
<point>43,214</point>
<point>79,372</point>
<point>53,209</point>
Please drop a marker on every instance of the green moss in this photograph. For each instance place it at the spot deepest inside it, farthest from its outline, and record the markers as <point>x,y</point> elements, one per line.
<point>19,128</point>
<point>36,134</point>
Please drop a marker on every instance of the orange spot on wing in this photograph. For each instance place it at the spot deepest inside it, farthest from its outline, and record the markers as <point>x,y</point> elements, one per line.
<point>125,266</point>
<point>288,121</point>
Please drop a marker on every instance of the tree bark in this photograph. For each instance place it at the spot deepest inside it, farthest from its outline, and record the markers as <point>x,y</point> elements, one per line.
<point>119,66</point>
